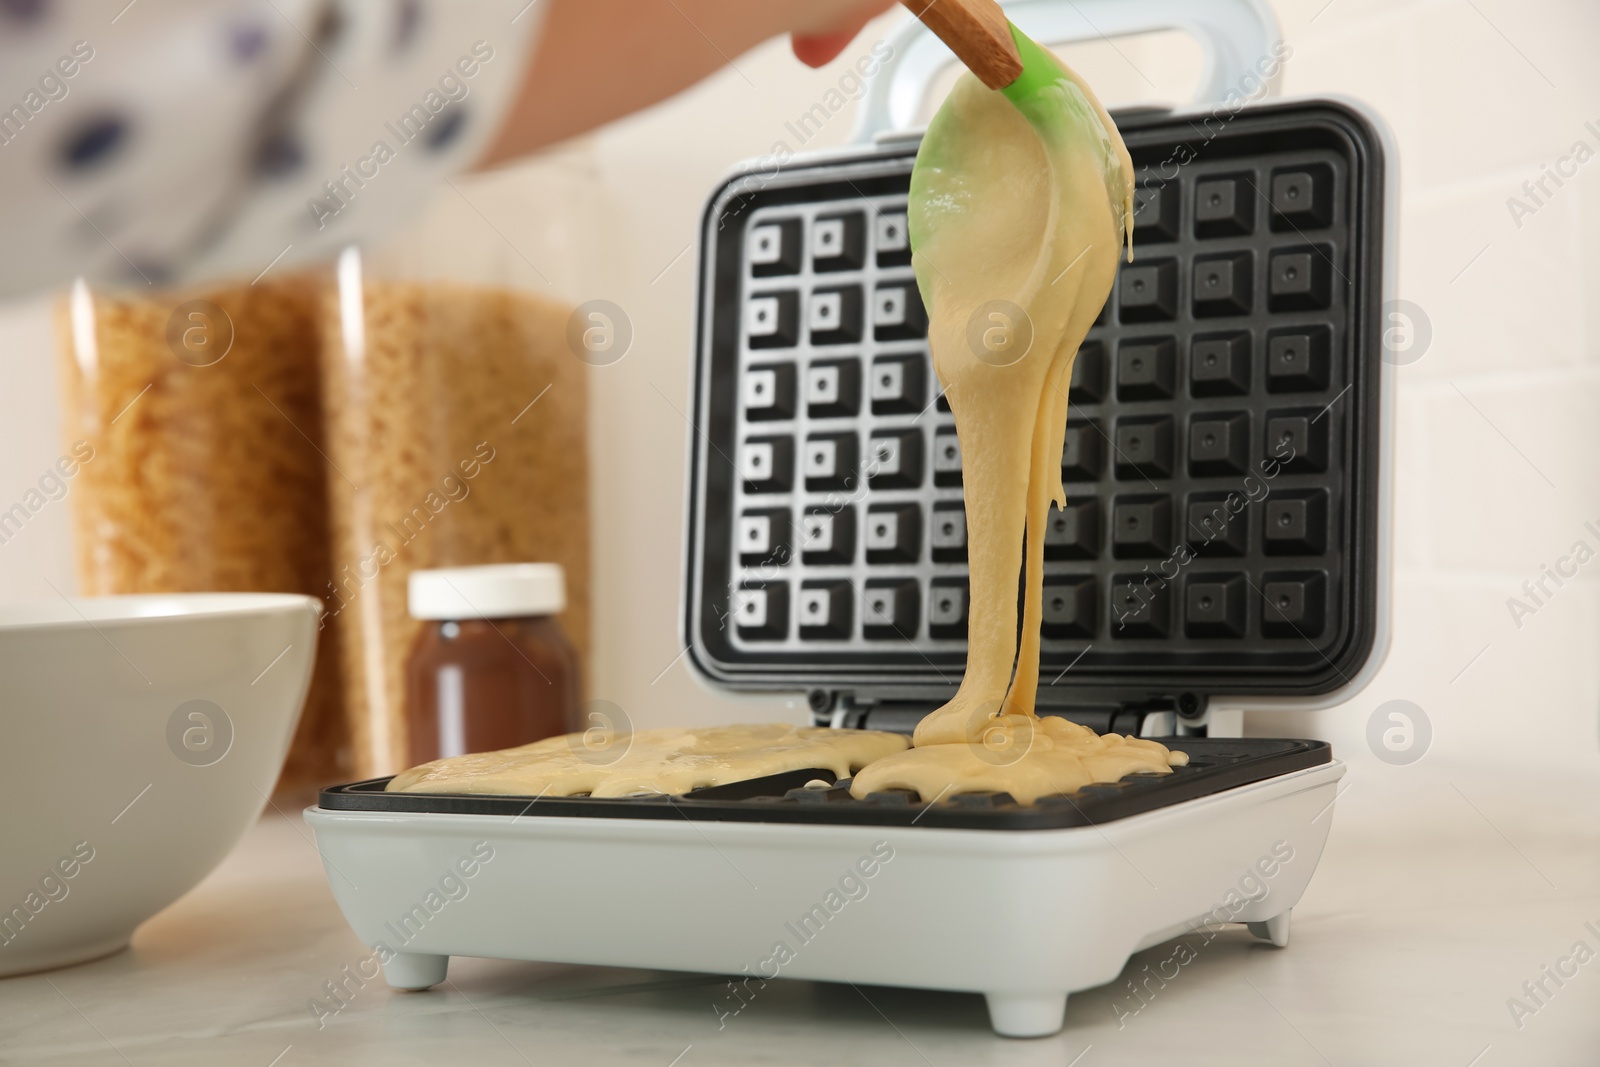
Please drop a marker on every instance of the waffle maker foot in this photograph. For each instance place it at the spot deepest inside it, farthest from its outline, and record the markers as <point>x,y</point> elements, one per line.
<point>1026,1014</point>
<point>415,971</point>
<point>1275,929</point>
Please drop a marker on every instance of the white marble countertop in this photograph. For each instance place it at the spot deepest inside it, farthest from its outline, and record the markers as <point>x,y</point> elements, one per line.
<point>1440,894</point>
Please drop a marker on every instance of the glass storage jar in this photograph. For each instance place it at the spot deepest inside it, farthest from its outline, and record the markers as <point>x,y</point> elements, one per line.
<point>456,423</point>
<point>197,421</point>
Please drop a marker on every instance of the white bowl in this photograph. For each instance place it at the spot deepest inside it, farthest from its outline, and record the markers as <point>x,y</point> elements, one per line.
<point>141,736</point>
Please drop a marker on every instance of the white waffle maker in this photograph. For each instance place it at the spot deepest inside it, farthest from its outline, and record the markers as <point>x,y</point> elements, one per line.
<point>1246,331</point>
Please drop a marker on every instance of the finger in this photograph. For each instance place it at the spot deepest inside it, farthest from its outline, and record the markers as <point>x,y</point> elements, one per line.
<point>817,49</point>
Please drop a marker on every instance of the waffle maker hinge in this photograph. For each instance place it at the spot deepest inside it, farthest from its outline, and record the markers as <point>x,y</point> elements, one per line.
<point>1184,715</point>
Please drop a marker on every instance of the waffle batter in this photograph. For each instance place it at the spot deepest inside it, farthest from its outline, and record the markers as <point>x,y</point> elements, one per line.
<point>670,760</point>
<point>1027,756</point>
<point>1017,215</point>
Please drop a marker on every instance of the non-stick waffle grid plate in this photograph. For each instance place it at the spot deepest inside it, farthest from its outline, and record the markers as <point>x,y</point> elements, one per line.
<point>1220,464</point>
<point>1215,764</point>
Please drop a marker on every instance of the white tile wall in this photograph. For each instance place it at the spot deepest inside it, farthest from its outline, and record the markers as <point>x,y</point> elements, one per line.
<point>1499,443</point>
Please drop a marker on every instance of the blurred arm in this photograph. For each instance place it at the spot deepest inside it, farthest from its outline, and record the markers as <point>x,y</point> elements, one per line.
<point>598,60</point>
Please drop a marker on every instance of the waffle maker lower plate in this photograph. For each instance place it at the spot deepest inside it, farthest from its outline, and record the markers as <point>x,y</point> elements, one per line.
<point>767,879</point>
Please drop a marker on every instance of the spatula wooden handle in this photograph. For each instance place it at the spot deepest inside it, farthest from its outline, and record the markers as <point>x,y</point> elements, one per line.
<point>977,32</point>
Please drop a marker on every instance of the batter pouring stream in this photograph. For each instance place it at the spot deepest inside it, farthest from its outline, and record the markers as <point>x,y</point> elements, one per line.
<point>1018,213</point>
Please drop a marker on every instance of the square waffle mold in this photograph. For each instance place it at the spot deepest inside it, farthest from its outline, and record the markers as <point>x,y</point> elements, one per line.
<point>1221,459</point>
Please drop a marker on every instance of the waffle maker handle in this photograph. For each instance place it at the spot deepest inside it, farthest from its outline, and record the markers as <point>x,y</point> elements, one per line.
<point>1239,38</point>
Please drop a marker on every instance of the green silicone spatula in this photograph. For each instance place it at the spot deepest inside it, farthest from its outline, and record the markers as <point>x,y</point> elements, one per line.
<point>1005,59</point>
<point>981,36</point>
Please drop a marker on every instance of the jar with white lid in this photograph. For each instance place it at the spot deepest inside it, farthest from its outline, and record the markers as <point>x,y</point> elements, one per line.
<point>491,667</point>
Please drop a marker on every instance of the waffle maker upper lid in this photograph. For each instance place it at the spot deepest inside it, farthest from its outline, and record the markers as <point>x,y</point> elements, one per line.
<point>1226,529</point>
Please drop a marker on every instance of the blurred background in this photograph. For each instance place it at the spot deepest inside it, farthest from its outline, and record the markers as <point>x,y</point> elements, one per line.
<point>1499,452</point>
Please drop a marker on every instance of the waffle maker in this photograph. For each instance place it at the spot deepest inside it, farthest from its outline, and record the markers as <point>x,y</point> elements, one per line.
<point>1224,546</point>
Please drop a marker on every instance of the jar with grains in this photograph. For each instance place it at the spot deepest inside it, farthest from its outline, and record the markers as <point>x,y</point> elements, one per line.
<point>456,430</point>
<point>198,426</point>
